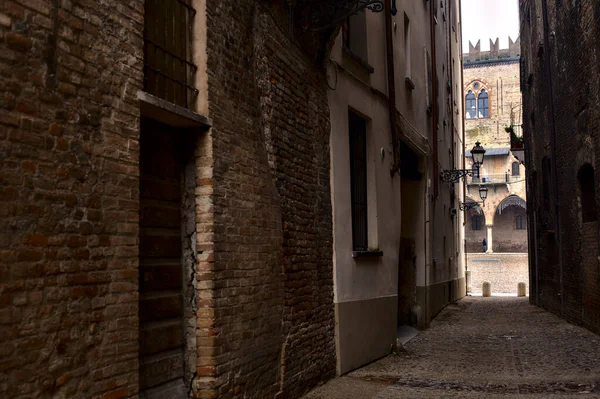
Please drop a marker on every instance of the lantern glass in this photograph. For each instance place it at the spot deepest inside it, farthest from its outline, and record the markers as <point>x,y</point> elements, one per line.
<point>478,152</point>
<point>483,192</point>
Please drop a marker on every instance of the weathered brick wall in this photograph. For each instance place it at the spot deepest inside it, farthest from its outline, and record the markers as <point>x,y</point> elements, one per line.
<point>69,141</point>
<point>69,197</point>
<point>562,241</point>
<point>273,295</point>
<point>506,236</point>
<point>474,238</point>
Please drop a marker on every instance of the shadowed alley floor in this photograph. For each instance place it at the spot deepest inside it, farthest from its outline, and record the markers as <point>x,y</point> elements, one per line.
<point>483,347</point>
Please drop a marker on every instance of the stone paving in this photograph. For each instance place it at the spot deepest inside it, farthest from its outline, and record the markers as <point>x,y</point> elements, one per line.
<point>483,347</point>
<point>503,270</point>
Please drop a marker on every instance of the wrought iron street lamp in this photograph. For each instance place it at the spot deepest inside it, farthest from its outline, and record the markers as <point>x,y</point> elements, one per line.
<point>483,192</point>
<point>454,175</point>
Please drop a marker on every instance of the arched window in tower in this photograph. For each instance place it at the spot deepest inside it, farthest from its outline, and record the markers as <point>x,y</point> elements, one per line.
<point>483,105</point>
<point>516,170</point>
<point>587,188</point>
<point>471,105</point>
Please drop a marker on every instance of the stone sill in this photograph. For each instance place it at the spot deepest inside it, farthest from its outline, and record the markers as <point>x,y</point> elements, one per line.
<point>367,254</point>
<point>358,60</point>
<point>163,111</point>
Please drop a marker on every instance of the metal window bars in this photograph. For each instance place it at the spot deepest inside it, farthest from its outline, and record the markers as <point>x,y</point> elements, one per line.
<point>168,68</point>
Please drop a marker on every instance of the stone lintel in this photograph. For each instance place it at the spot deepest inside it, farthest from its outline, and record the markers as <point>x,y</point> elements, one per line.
<point>168,113</point>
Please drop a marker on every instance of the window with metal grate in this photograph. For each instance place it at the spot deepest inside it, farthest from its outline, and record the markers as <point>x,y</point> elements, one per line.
<point>358,180</point>
<point>168,67</point>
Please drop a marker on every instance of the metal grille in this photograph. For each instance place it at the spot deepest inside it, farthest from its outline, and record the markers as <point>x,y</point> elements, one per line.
<point>168,69</point>
<point>358,180</point>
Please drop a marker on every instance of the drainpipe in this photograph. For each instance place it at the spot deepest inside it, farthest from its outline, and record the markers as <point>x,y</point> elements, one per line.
<point>464,127</point>
<point>434,93</point>
<point>548,73</point>
<point>391,79</point>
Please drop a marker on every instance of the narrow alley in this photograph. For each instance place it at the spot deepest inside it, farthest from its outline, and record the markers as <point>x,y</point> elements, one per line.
<point>483,347</point>
<point>223,199</point>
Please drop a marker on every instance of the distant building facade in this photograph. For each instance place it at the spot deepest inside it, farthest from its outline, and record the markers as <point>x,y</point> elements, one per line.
<point>561,120</point>
<point>492,98</point>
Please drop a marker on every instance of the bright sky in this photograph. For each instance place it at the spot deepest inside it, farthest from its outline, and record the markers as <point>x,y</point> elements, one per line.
<point>489,19</point>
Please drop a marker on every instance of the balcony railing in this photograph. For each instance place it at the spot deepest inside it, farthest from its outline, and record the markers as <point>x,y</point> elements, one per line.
<point>496,178</point>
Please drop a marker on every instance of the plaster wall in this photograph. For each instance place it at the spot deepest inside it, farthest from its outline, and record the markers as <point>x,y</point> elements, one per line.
<point>397,211</point>
<point>357,279</point>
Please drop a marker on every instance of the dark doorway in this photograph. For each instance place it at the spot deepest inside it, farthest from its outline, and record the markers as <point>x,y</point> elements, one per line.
<point>411,214</point>
<point>161,311</point>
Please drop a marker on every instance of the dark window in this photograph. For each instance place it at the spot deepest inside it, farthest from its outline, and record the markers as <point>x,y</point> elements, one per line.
<point>355,33</point>
<point>520,222</point>
<point>358,180</point>
<point>168,67</point>
<point>516,170</point>
<point>482,105</point>
<point>471,105</point>
<point>587,187</point>
<point>476,222</point>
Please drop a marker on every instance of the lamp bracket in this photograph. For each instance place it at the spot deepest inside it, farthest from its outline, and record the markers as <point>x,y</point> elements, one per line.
<point>323,14</point>
<point>465,206</point>
<point>454,175</point>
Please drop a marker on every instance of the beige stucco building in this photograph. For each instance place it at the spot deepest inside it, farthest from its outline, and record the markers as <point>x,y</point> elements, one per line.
<point>492,103</point>
<point>397,241</point>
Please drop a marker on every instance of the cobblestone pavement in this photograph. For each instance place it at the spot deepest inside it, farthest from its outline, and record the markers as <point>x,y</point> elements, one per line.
<point>483,348</point>
<point>502,270</point>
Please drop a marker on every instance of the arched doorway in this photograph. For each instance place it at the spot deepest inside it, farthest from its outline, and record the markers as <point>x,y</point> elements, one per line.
<point>475,230</point>
<point>510,225</point>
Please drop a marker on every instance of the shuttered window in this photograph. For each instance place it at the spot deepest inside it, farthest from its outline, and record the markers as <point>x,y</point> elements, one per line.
<point>516,170</point>
<point>358,180</point>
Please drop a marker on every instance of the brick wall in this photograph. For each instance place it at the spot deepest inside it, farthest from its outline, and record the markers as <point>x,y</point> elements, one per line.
<point>561,82</point>
<point>69,198</point>
<point>69,140</point>
<point>506,236</point>
<point>273,296</point>
<point>474,238</point>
